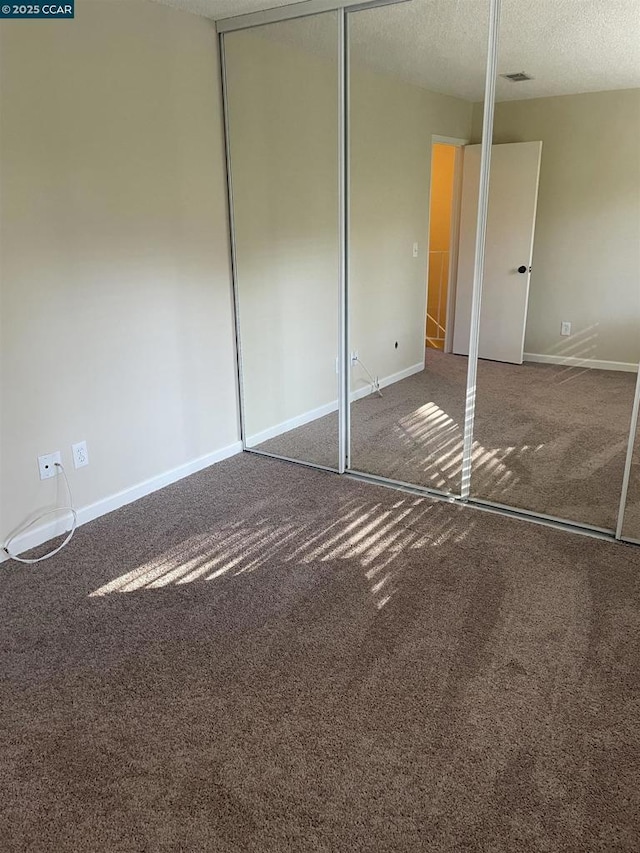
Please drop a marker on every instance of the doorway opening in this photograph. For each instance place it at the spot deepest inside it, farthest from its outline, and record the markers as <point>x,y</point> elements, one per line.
<point>444,211</point>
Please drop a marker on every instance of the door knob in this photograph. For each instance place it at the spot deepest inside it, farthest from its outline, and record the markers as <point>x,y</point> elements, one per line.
<point>523,270</point>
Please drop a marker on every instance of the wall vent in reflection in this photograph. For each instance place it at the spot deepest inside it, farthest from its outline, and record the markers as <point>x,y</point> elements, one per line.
<point>517,77</point>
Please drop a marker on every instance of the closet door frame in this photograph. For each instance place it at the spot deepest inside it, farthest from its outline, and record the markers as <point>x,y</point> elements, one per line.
<point>634,437</point>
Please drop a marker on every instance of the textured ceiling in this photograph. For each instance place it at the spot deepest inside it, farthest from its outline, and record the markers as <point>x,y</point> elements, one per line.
<point>567,46</point>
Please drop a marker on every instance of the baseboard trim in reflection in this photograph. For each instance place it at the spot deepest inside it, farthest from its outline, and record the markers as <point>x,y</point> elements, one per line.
<point>366,389</point>
<point>292,423</point>
<point>573,361</point>
<point>328,408</point>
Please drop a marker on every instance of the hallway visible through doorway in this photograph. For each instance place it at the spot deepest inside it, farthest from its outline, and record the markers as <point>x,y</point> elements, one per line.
<point>443,167</point>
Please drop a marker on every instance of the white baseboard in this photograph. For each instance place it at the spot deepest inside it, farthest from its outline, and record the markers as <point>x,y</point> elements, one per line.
<point>35,536</point>
<point>388,380</point>
<point>292,423</point>
<point>38,535</point>
<point>573,361</point>
<point>329,408</point>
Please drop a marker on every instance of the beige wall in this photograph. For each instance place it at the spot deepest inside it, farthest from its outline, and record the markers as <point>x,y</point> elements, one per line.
<point>114,280</point>
<point>283,126</point>
<point>586,260</point>
<point>283,108</point>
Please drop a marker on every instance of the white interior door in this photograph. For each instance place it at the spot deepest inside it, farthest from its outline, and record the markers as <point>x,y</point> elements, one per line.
<point>513,197</point>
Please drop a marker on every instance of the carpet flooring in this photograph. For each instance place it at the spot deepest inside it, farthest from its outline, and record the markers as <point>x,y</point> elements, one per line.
<point>264,657</point>
<point>547,438</point>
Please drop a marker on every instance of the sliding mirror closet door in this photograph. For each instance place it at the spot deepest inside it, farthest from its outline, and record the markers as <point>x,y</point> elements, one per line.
<point>559,337</point>
<point>416,70</point>
<point>630,527</point>
<point>282,120</point>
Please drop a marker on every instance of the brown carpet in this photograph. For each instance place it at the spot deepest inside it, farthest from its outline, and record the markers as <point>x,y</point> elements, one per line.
<point>267,658</point>
<point>548,438</point>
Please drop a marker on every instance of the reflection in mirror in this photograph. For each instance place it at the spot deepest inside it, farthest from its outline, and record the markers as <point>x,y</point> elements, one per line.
<point>282,92</point>
<point>560,320</point>
<point>416,71</point>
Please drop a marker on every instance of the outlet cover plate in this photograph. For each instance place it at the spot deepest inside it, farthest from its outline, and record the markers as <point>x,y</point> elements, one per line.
<point>47,464</point>
<point>80,454</point>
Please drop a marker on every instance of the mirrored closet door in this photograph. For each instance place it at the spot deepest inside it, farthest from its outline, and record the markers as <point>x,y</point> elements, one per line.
<point>559,340</point>
<point>424,300</point>
<point>282,100</point>
<point>416,75</point>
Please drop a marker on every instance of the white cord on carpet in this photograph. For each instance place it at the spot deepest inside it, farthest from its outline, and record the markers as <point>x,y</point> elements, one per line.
<point>20,530</point>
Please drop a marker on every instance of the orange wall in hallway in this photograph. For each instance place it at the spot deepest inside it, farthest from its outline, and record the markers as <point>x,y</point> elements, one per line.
<point>442,174</point>
<point>442,167</point>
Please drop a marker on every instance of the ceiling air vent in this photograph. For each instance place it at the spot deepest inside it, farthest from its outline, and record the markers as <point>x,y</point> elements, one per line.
<point>517,77</point>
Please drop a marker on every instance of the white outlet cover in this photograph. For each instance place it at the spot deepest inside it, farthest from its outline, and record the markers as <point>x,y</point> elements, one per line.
<point>47,465</point>
<point>80,454</point>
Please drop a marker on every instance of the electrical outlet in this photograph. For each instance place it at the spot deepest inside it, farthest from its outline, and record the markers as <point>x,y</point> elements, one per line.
<point>565,327</point>
<point>47,465</point>
<point>416,248</point>
<point>354,358</point>
<point>80,454</point>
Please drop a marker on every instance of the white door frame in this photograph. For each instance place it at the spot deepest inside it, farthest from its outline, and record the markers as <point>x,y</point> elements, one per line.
<point>456,200</point>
